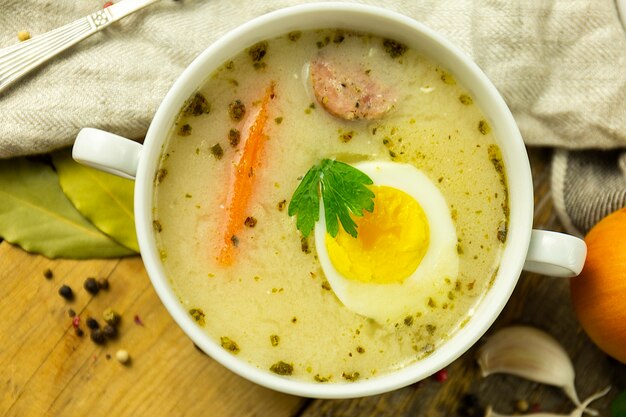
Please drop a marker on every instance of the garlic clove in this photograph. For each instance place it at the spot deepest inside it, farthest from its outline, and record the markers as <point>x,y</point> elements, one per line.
<point>529,353</point>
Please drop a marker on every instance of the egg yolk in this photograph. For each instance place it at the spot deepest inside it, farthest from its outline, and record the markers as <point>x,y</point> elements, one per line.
<point>391,241</point>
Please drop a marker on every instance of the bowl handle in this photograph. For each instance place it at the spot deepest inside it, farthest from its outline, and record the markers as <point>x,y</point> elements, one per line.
<point>107,152</point>
<point>555,254</point>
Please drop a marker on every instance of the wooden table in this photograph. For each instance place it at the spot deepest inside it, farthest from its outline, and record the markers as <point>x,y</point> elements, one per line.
<point>46,370</point>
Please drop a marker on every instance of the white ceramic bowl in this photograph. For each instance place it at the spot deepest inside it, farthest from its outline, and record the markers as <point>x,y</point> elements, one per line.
<point>546,252</point>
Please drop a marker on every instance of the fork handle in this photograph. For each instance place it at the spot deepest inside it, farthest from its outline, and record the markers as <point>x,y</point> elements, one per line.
<point>19,59</point>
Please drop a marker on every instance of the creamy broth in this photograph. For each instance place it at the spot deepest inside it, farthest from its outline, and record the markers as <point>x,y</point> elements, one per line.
<point>273,305</point>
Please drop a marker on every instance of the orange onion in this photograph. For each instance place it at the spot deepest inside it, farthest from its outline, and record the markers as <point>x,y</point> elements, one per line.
<point>599,292</point>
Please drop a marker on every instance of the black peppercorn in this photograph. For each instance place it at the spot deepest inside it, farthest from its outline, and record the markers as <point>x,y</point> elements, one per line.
<point>109,331</point>
<point>71,312</point>
<point>103,283</point>
<point>48,273</point>
<point>470,406</point>
<point>93,323</point>
<point>97,336</point>
<point>91,285</point>
<point>66,292</point>
<point>79,332</point>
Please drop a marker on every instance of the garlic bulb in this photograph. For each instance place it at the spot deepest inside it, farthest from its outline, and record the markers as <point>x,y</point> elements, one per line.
<point>529,353</point>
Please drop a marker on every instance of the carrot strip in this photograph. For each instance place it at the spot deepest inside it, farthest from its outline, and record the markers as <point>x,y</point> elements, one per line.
<point>243,180</point>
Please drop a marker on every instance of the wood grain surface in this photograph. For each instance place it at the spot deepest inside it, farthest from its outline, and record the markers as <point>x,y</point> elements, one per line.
<point>47,370</point>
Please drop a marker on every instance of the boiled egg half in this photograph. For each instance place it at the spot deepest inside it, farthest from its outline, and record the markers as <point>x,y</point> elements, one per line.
<point>404,251</point>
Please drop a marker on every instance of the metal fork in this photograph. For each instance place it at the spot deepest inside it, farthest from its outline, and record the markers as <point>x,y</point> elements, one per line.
<point>19,59</point>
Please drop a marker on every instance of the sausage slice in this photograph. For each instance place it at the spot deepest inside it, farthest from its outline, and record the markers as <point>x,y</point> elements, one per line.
<point>350,94</point>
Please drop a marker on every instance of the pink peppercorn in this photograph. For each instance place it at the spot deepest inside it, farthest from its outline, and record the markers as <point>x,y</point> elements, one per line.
<point>76,321</point>
<point>442,375</point>
<point>107,4</point>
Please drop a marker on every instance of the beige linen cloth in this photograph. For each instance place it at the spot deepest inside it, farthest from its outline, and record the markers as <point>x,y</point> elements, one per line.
<point>560,65</point>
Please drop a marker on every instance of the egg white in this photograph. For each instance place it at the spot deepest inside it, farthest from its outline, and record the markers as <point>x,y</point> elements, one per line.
<point>387,302</point>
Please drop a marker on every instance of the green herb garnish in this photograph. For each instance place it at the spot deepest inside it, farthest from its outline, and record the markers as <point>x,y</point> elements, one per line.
<point>343,191</point>
<point>282,368</point>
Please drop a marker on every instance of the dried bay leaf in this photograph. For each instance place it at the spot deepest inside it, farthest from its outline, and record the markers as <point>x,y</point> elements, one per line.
<point>106,200</point>
<point>36,215</point>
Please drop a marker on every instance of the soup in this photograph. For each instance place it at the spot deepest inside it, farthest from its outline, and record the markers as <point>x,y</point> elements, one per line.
<point>351,123</point>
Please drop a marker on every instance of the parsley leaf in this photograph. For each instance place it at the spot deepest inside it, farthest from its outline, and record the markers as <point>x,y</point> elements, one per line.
<point>343,191</point>
<point>305,201</point>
